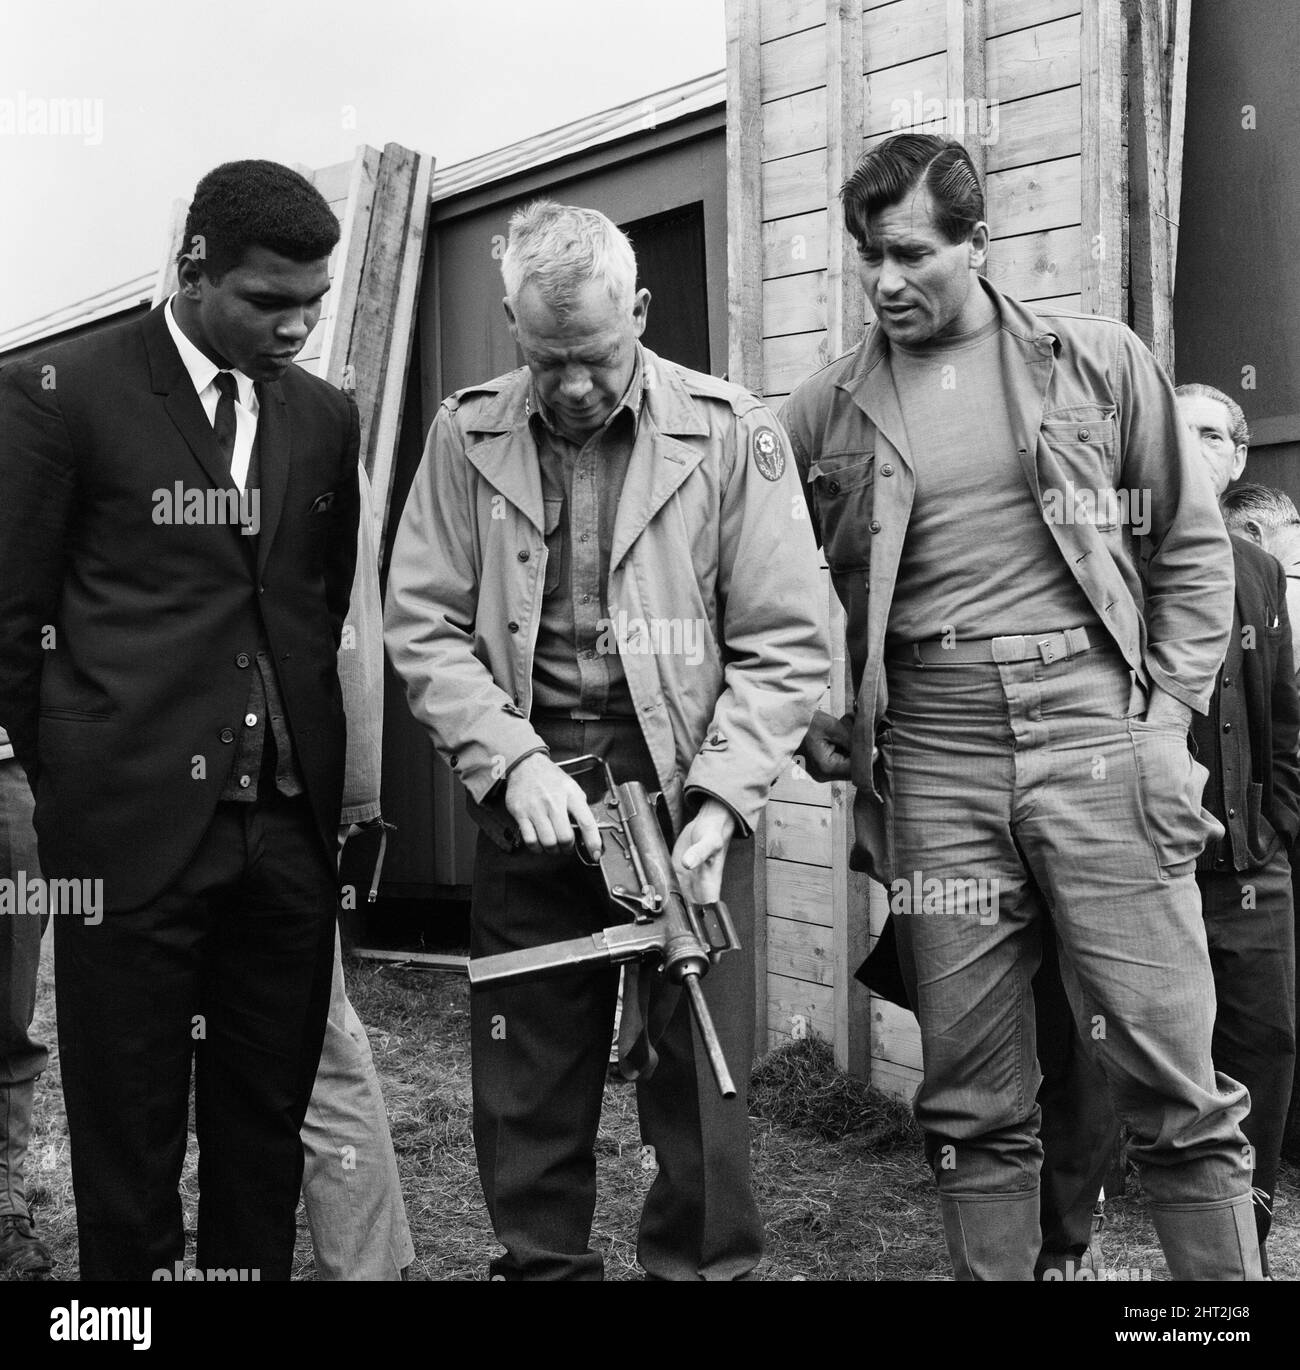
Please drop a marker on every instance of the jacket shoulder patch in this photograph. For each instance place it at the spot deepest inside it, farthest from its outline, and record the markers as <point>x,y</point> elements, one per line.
<point>769,456</point>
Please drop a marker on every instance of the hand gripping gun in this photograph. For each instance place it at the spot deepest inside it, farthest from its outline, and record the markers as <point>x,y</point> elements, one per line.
<point>676,938</point>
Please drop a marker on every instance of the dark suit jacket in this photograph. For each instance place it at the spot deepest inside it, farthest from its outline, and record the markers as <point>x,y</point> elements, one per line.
<point>128,642</point>
<point>1255,794</point>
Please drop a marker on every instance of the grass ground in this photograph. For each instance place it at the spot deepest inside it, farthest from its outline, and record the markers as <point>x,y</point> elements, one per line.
<point>838,1172</point>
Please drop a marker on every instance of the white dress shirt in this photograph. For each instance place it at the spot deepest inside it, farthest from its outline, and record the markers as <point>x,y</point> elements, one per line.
<point>203,372</point>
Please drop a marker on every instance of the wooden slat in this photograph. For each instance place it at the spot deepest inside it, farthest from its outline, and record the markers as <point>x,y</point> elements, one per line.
<point>782,17</point>
<point>794,245</point>
<point>903,32</point>
<point>1034,130</point>
<point>790,65</point>
<point>1151,282</point>
<point>1031,61</point>
<point>1103,160</point>
<point>1037,264</point>
<point>801,951</point>
<point>758,855</point>
<point>794,185</point>
<point>788,1000</point>
<point>794,124</point>
<point>794,304</point>
<point>901,1082</point>
<point>1176,117</point>
<point>967,76</point>
<point>744,196</point>
<point>334,181</point>
<point>895,1034</point>
<point>800,892</point>
<point>799,832</point>
<point>787,361</point>
<point>1006,15</point>
<point>383,448</point>
<point>349,258</point>
<point>844,91</point>
<point>895,97</point>
<point>1029,199</point>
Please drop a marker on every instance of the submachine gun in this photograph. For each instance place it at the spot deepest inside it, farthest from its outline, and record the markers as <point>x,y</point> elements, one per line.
<point>675,938</point>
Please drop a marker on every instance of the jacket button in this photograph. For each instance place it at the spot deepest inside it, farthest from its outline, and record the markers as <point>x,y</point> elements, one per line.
<point>513,626</point>
<point>1084,434</point>
<point>875,525</point>
<point>833,486</point>
<point>227,735</point>
<point>1227,727</point>
<point>523,556</point>
<point>453,762</point>
<point>1226,682</point>
<point>887,469</point>
<point>243,661</point>
<point>1232,813</point>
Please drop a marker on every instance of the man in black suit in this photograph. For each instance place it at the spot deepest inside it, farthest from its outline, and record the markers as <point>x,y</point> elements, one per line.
<point>175,563</point>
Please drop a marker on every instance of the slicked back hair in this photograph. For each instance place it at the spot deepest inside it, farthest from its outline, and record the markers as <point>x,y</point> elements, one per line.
<point>239,205</point>
<point>887,173</point>
<point>1238,428</point>
<point>559,249</point>
<point>1260,504</point>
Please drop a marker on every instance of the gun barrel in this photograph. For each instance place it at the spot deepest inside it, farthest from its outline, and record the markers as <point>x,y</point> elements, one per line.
<point>709,1035</point>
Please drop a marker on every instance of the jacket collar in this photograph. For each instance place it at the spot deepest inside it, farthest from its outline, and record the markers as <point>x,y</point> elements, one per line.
<point>508,459</point>
<point>870,384</point>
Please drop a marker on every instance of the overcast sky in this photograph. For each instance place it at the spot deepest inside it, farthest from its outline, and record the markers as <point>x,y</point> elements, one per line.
<point>170,89</point>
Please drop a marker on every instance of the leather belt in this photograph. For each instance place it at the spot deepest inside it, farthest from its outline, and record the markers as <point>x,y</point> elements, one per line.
<point>1045,647</point>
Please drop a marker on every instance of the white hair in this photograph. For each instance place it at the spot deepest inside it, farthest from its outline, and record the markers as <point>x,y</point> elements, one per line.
<point>561,248</point>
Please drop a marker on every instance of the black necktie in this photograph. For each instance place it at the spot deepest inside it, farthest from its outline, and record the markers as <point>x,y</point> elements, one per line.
<point>224,425</point>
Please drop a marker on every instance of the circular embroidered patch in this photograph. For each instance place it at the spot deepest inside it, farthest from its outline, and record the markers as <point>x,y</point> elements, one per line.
<point>768,456</point>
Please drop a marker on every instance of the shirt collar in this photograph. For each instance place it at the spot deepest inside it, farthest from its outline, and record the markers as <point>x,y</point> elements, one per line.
<point>633,398</point>
<point>203,370</point>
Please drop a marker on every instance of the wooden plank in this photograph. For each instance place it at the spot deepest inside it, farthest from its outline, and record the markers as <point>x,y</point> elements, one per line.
<point>744,196</point>
<point>794,304</point>
<point>895,1034</point>
<point>1032,198</point>
<point>967,76</point>
<point>844,89</point>
<point>903,32</point>
<point>798,1008</point>
<point>787,361</point>
<point>900,1082</point>
<point>1102,172</point>
<point>1038,129</point>
<point>794,124</point>
<point>782,17</point>
<point>1031,61</point>
<point>800,892</point>
<point>165,285</point>
<point>1176,118</point>
<point>799,832</point>
<point>800,951</point>
<point>1008,15</point>
<point>790,65</point>
<point>334,182</point>
<point>348,261</point>
<point>794,245</point>
<point>758,854</point>
<point>794,185</point>
<point>1036,265</point>
<point>383,452</point>
<point>896,99</point>
<point>1150,277</point>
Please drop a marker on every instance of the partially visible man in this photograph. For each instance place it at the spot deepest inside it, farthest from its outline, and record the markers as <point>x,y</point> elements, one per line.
<point>1270,519</point>
<point>979,475</point>
<point>601,554</point>
<point>22,1057</point>
<point>175,564</point>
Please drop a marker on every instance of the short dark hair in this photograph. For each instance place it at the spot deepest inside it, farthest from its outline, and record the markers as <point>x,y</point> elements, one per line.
<point>1270,509</point>
<point>239,205</point>
<point>885,174</point>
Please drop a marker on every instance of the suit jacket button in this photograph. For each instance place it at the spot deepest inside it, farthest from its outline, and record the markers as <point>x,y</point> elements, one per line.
<point>243,661</point>
<point>887,470</point>
<point>227,735</point>
<point>513,626</point>
<point>875,525</point>
<point>523,556</point>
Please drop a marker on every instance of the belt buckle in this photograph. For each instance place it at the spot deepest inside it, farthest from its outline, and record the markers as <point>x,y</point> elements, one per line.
<point>1010,647</point>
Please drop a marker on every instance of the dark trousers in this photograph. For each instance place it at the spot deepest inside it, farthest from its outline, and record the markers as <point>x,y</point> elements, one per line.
<point>21,1058</point>
<point>1250,927</point>
<point>540,1056</point>
<point>229,967</point>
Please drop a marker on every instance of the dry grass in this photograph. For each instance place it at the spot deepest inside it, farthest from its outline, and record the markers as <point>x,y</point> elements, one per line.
<point>837,1166</point>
